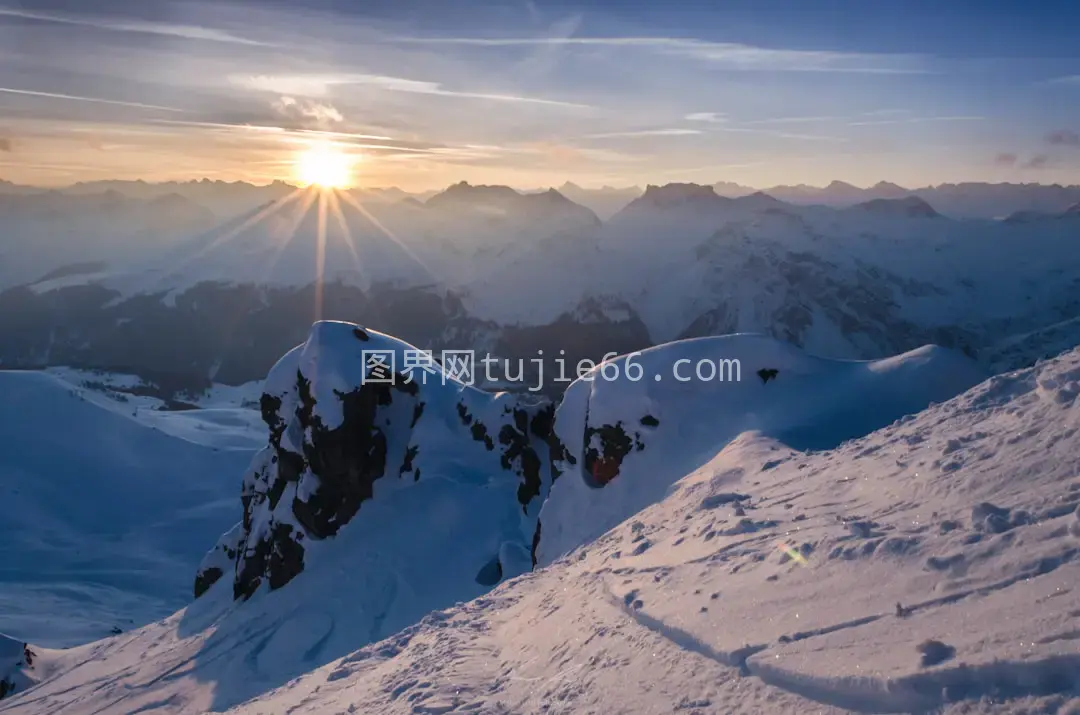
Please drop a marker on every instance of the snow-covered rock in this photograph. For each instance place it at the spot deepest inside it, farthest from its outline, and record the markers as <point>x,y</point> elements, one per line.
<point>394,445</point>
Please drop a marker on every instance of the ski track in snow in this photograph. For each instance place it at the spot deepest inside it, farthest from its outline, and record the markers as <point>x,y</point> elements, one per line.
<point>809,593</point>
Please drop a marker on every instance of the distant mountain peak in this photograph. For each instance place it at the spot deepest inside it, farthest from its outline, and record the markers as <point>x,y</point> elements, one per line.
<point>465,192</point>
<point>911,206</point>
<point>675,194</point>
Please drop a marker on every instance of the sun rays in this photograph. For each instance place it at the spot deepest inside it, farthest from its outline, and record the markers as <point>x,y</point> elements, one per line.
<point>324,175</point>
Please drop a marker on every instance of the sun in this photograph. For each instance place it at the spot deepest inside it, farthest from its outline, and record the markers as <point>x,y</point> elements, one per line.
<point>324,166</point>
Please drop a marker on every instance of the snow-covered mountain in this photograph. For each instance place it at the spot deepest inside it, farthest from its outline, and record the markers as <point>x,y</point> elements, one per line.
<point>965,200</point>
<point>493,269</point>
<point>705,547</point>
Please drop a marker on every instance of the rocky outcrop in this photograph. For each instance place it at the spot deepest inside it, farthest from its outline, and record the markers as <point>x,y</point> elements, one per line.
<point>346,429</point>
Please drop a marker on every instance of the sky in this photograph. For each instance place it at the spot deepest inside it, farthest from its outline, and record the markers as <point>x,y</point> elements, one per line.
<point>422,93</point>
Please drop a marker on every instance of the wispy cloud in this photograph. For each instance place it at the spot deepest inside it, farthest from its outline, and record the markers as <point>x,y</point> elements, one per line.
<point>1010,159</point>
<point>794,120</point>
<point>1063,137</point>
<point>272,129</point>
<point>780,135</point>
<point>886,113</point>
<point>320,114</point>
<point>77,98</point>
<point>731,55</point>
<point>713,117</point>
<point>5,145</point>
<point>672,132</point>
<point>188,32</point>
<point>320,85</point>
<point>914,120</point>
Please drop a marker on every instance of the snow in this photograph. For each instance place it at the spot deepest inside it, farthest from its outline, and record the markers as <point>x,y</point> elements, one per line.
<point>226,416</point>
<point>750,566</point>
<point>811,403</point>
<point>104,514</point>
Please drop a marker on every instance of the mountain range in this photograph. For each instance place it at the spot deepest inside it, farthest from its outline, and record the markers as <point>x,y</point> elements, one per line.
<point>959,200</point>
<point>143,286</point>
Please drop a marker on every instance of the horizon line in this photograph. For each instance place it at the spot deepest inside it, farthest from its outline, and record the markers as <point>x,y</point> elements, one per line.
<point>528,189</point>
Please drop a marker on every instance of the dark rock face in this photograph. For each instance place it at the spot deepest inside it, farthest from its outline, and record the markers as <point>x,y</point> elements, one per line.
<point>329,446</point>
<point>605,448</point>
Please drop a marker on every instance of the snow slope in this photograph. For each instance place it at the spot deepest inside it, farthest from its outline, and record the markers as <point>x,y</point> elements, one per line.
<point>102,516</point>
<point>630,440</point>
<point>586,633</point>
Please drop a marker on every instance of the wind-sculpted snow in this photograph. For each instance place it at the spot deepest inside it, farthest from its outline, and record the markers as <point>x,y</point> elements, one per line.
<point>346,433</point>
<point>629,437</point>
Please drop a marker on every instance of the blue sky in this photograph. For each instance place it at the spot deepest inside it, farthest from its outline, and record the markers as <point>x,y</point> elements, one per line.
<point>423,93</point>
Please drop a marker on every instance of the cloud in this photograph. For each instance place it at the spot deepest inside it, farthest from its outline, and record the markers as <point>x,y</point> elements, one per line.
<point>886,112</point>
<point>1037,162</point>
<point>731,55</point>
<point>794,120</point>
<point>673,132</point>
<point>915,120</point>
<point>96,100</point>
<point>306,111</point>
<point>1006,159</point>
<point>713,117</point>
<point>779,134</point>
<point>187,32</point>
<point>1063,137</point>
<point>5,144</point>
<point>320,85</point>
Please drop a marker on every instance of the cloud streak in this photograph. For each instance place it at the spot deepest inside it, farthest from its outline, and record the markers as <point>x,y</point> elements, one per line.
<point>712,117</point>
<point>731,55</point>
<point>187,32</point>
<point>914,120</point>
<point>271,129</point>
<point>671,132</point>
<point>94,100</point>
<point>320,85</point>
<point>779,134</point>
